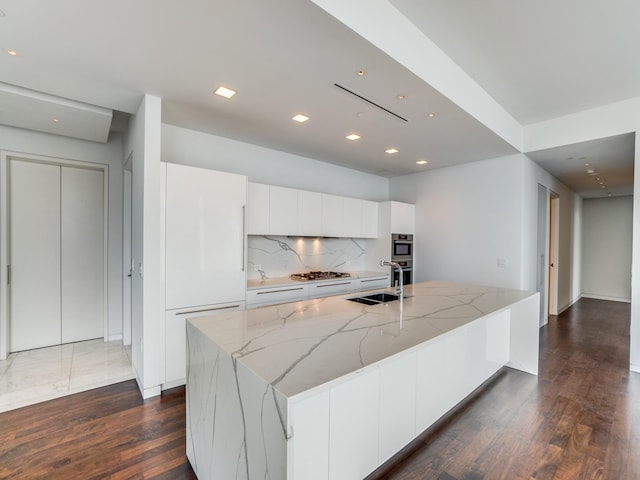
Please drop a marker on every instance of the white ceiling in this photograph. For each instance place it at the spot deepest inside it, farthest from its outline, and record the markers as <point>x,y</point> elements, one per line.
<point>537,59</point>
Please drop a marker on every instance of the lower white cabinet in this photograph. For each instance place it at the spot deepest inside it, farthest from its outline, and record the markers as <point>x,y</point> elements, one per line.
<point>357,425</point>
<point>175,368</point>
<point>369,283</point>
<point>271,296</point>
<point>330,288</point>
<point>353,427</point>
<point>397,405</point>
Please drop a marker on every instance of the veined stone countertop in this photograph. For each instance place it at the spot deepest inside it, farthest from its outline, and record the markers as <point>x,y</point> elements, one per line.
<point>283,281</point>
<point>299,346</point>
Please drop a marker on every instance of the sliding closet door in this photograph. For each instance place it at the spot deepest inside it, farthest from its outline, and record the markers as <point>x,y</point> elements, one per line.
<point>34,238</point>
<point>82,250</point>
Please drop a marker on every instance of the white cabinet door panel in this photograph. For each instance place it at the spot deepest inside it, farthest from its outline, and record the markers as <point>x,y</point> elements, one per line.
<point>283,211</point>
<point>35,255</point>
<point>353,431</point>
<point>309,213</point>
<point>369,219</point>
<point>258,209</point>
<point>270,296</point>
<point>82,223</point>
<point>351,217</point>
<point>382,281</point>
<point>205,237</point>
<point>397,405</point>
<point>309,447</point>
<point>332,215</point>
<point>330,288</point>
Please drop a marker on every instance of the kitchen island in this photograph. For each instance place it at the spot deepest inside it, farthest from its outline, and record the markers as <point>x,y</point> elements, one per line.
<point>331,389</point>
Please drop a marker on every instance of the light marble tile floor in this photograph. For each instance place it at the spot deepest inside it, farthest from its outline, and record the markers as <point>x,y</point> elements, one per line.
<point>34,376</point>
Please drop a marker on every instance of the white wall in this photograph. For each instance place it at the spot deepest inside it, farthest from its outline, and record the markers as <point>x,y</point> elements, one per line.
<point>142,142</point>
<point>264,165</point>
<point>470,215</point>
<point>607,240</point>
<point>29,142</point>
<point>467,217</point>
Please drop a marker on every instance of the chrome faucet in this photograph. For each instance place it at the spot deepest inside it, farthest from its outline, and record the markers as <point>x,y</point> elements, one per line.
<point>399,286</point>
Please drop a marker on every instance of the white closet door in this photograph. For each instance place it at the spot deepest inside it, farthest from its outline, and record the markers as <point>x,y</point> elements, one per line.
<point>82,213</point>
<point>35,254</point>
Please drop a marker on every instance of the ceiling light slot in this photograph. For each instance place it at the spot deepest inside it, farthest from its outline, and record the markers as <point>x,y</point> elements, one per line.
<point>370,102</point>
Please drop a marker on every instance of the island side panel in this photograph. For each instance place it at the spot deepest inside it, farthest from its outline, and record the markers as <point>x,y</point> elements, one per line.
<point>235,420</point>
<point>525,335</point>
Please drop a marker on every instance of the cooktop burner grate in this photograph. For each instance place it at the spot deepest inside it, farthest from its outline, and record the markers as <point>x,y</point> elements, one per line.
<point>305,276</point>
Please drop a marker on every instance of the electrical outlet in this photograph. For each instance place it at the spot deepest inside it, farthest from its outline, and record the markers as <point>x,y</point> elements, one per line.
<point>257,267</point>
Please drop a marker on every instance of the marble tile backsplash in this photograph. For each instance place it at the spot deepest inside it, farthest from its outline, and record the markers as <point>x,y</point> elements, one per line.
<point>282,256</point>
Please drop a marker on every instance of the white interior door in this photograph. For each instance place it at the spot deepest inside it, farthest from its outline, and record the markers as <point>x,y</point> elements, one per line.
<point>82,251</point>
<point>34,238</point>
<point>127,262</point>
<point>541,267</point>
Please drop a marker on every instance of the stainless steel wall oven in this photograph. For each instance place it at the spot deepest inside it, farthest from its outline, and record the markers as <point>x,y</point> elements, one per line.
<point>402,254</point>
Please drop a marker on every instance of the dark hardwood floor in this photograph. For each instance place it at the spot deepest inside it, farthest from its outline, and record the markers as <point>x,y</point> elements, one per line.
<point>108,432</point>
<point>579,419</point>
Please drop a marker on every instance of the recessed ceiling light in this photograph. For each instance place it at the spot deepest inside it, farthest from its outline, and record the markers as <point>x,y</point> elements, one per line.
<point>431,115</point>
<point>391,150</point>
<point>352,136</point>
<point>360,114</point>
<point>13,53</point>
<point>604,186</point>
<point>586,164</point>
<point>300,118</point>
<point>224,92</point>
<point>361,73</point>
<point>400,96</point>
<point>56,120</point>
<point>422,162</point>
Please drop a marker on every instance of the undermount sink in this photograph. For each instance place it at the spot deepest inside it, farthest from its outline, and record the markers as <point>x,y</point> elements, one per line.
<point>375,298</point>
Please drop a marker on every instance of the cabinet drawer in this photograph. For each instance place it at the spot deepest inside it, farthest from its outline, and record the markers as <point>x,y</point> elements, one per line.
<point>270,296</point>
<point>175,339</point>
<point>330,288</point>
<point>372,282</point>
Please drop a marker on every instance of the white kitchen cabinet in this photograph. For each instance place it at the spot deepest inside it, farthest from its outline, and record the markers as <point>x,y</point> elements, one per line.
<point>369,283</point>
<point>175,367</point>
<point>280,294</point>
<point>332,213</point>
<point>369,219</point>
<point>258,209</point>
<point>308,449</point>
<point>351,217</point>
<point>205,237</point>
<point>403,217</point>
<point>353,427</point>
<point>397,405</point>
<point>337,287</point>
<point>283,211</point>
<point>309,213</point>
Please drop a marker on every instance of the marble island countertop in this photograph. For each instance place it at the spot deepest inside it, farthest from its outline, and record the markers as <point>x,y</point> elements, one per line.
<point>283,281</point>
<point>298,346</point>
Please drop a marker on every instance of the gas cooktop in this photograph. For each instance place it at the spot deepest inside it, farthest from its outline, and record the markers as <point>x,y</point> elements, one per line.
<point>305,276</point>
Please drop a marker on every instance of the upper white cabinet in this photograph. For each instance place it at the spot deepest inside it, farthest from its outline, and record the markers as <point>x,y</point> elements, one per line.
<point>403,217</point>
<point>309,213</point>
<point>258,210</point>
<point>205,237</point>
<point>285,211</point>
<point>332,213</point>
<point>369,219</point>
<point>352,218</point>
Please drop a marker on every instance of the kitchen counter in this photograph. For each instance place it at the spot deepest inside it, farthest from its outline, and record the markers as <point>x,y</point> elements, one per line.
<point>284,281</point>
<point>277,373</point>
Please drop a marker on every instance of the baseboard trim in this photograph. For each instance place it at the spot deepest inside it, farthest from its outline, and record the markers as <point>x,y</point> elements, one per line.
<point>606,297</point>
<point>634,368</point>
<point>173,384</point>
